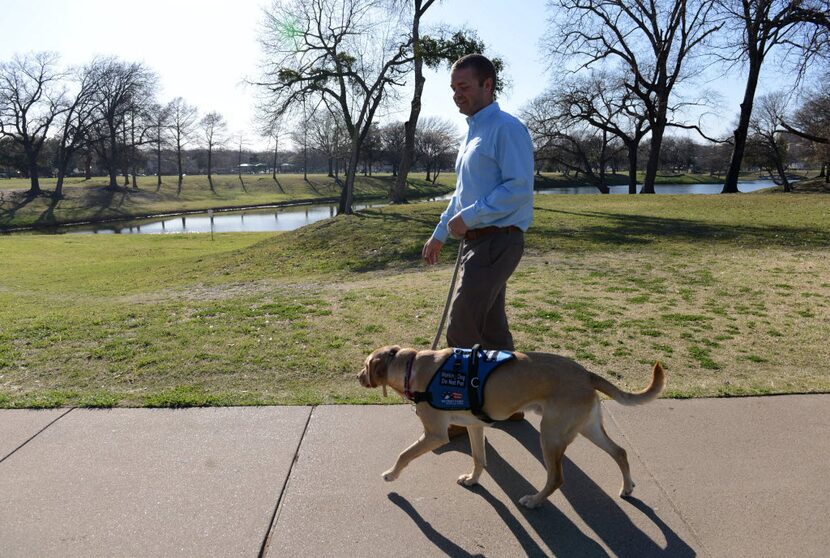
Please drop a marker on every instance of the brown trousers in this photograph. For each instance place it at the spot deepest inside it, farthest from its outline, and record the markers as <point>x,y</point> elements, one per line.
<point>477,314</point>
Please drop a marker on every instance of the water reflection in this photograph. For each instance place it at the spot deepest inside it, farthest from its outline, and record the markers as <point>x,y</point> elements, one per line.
<point>253,220</point>
<point>290,218</point>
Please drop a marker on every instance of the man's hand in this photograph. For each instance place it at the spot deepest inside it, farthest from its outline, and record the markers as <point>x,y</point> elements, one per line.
<point>431,250</point>
<point>457,226</point>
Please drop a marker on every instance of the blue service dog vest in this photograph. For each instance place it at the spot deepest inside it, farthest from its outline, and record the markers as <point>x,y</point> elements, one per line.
<point>458,384</point>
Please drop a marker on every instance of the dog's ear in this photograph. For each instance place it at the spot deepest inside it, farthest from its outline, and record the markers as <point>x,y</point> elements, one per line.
<point>381,360</point>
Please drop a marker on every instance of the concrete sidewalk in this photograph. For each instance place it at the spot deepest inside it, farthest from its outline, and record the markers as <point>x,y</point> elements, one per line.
<point>715,477</point>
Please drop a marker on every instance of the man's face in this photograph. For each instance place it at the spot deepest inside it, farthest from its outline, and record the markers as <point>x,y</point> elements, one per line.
<point>469,96</point>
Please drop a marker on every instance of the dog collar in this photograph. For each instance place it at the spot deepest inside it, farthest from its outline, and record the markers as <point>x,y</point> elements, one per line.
<point>406,377</point>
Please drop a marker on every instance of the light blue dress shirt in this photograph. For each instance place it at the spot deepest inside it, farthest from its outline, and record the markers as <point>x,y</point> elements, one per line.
<point>495,174</point>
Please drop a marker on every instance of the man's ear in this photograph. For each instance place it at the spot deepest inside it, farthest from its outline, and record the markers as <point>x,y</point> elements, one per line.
<point>491,86</point>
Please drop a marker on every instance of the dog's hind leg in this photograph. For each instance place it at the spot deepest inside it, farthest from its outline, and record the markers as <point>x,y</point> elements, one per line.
<point>554,442</point>
<point>595,431</point>
<point>476,434</point>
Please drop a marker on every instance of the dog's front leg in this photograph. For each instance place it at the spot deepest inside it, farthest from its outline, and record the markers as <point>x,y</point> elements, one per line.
<point>426,443</point>
<point>476,434</point>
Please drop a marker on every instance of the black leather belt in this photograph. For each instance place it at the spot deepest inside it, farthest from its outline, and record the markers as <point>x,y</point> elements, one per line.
<point>473,234</point>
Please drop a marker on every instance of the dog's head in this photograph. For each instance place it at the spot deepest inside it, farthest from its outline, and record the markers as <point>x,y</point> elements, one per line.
<point>374,369</point>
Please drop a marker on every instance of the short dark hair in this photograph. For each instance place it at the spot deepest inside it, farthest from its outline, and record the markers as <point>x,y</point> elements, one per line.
<point>480,64</point>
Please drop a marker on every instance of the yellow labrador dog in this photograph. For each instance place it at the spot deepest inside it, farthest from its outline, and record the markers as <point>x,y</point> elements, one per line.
<point>562,391</point>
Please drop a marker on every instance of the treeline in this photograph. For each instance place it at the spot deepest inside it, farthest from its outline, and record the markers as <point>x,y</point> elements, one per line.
<point>624,75</point>
<point>104,119</point>
<point>569,140</point>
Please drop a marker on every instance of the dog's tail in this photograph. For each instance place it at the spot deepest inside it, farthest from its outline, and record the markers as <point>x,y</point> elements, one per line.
<point>658,382</point>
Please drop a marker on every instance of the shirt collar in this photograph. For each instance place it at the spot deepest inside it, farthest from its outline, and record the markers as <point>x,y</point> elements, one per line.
<point>483,114</point>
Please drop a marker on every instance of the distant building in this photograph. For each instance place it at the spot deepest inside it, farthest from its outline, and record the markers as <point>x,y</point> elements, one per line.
<point>252,168</point>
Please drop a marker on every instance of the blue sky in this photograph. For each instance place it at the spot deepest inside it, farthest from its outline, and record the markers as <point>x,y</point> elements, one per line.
<point>203,51</point>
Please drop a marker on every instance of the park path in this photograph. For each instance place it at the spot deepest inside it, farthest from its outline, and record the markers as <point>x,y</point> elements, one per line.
<point>715,477</point>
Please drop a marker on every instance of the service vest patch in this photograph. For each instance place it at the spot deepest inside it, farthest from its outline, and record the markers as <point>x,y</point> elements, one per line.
<point>450,386</point>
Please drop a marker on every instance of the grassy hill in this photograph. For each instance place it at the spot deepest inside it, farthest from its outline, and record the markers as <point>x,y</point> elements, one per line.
<point>731,293</point>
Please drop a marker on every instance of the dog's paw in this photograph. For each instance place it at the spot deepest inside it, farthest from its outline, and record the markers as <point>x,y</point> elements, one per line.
<point>626,491</point>
<point>530,501</point>
<point>389,475</point>
<point>467,480</point>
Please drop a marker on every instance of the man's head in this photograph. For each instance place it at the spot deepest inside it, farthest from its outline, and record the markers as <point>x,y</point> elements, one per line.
<point>473,81</point>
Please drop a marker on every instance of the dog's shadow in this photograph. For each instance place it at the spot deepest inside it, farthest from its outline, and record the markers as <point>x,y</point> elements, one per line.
<point>600,512</point>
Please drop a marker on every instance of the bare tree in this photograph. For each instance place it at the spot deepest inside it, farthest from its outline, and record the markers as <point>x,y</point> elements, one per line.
<point>213,129</point>
<point>651,41</point>
<point>602,100</point>
<point>753,29</point>
<point>812,122</point>
<point>767,147</point>
<point>398,192</point>
<point>371,149</point>
<point>158,118</point>
<point>392,138</point>
<point>240,140</point>
<point>274,130</point>
<point>119,84</point>
<point>571,143</point>
<point>435,141</point>
<point>182,121</point>
<point>346,53</point>
<point>326,134</point>
<point>30,99</point>
<point>75,124</point>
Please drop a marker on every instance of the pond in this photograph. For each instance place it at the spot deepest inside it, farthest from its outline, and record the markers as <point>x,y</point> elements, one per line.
<point>290,218</point>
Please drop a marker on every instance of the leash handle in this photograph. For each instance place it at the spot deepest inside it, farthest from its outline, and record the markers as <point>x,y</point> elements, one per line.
<point>449,296</point>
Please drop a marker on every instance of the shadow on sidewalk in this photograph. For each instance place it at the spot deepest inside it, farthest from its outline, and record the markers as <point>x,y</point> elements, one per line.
<point>602,513</point>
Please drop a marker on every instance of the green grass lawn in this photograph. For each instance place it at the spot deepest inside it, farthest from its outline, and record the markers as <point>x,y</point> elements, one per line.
<point>731,293</point>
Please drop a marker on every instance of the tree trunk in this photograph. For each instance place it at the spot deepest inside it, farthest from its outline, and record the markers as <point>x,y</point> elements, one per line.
<point>210,177</point>
<point>730,185</point>
<point>347,196</point>
<point>398,193</point>
<point>64,163</point>
<point>58,194</point>
<point>782,173</point>
<point>657,130</point>
<point>126,161</point>
<point>179,166</point>
<point>632,166</point>
<point>158,166</point>
<point>274,167</point>
<point>113,174</point>
<point>603,188</point>
<point>112,164</point>
<point>34,188</point>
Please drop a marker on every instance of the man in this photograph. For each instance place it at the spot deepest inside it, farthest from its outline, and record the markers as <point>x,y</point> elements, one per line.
<point>491,208</point>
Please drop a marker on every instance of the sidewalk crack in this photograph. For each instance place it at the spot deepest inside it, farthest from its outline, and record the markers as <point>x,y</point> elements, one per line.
<point>36,434</point>
<point>272,525</point>
<point>660,487</point>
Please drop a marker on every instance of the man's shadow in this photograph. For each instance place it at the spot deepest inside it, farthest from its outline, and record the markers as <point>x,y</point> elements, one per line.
<point>600,512</point>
